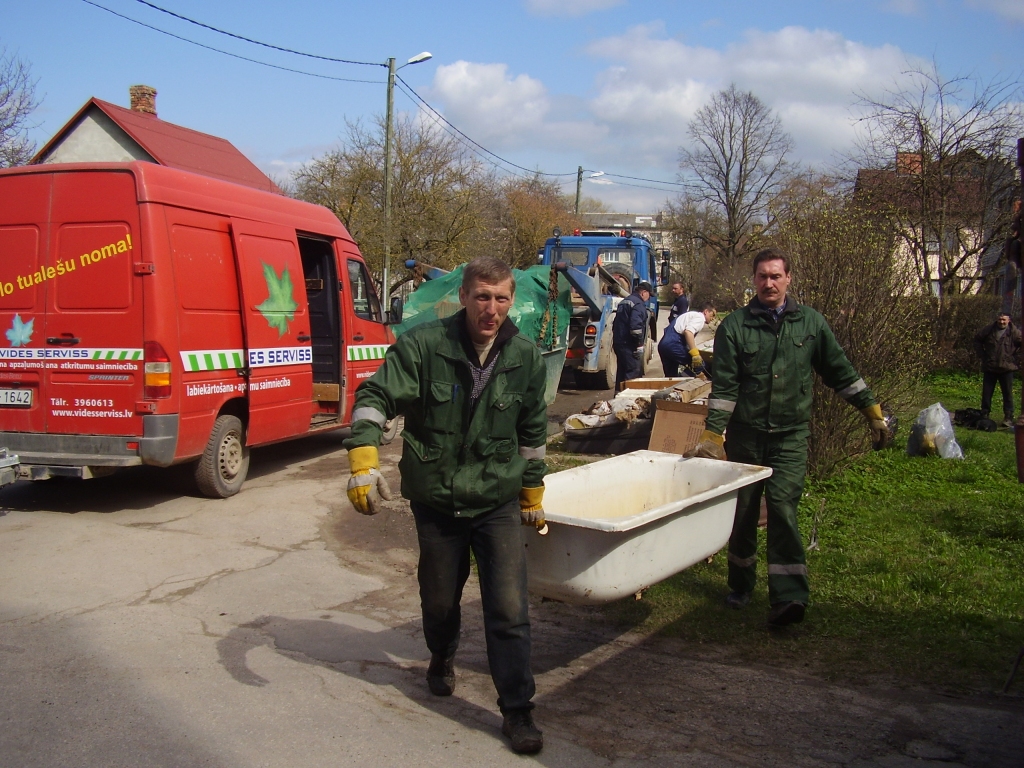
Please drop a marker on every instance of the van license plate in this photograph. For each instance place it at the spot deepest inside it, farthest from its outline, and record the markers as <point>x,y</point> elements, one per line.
<point>17,398</point>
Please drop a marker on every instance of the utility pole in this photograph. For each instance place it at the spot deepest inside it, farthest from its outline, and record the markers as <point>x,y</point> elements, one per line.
<point>389,163</point>
<point>388,168</point>
<point>579,187</point>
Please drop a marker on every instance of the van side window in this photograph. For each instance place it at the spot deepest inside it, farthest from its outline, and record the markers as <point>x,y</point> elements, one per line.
<point>364,298</point>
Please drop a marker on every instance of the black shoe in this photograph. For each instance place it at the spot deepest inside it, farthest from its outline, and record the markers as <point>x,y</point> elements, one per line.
<point>441,675</point>
<point>525,737</point>
<point>784,614</point>
<point>737,600</point>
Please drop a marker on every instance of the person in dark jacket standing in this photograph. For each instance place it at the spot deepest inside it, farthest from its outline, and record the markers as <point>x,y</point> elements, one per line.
<point>766,355</point>
<point>680,304</point>
<point>629,333</point>
<point>998,346</point>
<point>472,393</point>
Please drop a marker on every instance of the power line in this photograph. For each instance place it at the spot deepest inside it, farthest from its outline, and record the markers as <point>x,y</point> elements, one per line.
<point>257,42</point>
<point>485,154</point>
<point>453,133</point>
<point>637,178</point>
<point>493,158</point>
<point>422,101</point>
<point>227,53</point>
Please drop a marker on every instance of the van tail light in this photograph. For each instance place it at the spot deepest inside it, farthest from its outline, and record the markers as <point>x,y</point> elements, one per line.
<point>590,336</point>
<point>157,372</point>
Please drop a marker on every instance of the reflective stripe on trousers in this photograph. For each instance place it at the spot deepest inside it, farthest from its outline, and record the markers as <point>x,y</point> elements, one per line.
<point>786,454</point>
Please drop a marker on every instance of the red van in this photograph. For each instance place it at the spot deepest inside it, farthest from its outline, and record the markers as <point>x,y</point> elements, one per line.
<point>155,316</point>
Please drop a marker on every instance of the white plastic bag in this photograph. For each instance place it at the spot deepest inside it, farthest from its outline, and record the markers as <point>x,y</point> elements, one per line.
<point>932,433</point>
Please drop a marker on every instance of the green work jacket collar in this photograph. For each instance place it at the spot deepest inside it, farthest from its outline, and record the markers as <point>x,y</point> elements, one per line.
<point>456,345</point>
<point>757,314</point>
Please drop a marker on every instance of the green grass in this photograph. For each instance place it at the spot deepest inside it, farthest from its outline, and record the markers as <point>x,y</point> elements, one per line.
<point>917,576</point>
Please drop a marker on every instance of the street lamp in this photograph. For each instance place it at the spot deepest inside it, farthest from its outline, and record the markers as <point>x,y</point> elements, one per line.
<point>389,163</point>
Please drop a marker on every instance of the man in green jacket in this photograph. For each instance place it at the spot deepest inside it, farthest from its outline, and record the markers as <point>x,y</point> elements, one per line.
<point>472,393</point>
<point>765,358</point>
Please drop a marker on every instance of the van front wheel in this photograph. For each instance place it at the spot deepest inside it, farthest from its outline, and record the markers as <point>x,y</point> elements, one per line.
<point>225,462</point>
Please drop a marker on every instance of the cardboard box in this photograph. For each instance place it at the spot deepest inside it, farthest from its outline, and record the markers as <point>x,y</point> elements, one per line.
<point>677,426</point>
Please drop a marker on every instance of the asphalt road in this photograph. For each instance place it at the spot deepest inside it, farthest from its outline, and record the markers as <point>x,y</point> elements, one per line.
<point>143,626</point>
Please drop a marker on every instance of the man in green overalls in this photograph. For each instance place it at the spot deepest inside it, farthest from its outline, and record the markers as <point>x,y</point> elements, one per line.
<point>765,356</point>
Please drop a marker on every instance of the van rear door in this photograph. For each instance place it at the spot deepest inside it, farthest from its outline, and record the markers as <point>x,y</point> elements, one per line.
<point>24,238</point>
<point>275,318</point>
<point>93,333</point>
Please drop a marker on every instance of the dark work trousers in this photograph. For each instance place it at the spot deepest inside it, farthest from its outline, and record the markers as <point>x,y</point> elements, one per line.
<point>673,352</point>
<point>988,386</point>
<point>496,540</point>
<point>627,367</point>
<point>786,454</point>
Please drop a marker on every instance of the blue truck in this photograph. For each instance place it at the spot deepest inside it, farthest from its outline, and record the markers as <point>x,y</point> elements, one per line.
<point>603,268</point>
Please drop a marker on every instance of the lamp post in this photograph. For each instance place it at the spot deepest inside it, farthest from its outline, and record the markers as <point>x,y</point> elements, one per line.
<point>389,164</point>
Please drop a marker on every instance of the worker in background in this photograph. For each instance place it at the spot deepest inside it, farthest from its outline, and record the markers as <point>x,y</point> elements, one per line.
<point>680,304</point>
<point>472,393</point>
<point>998,347</point>
<point>678,345</point>
<point>765,357</point>
<point>629,333</point>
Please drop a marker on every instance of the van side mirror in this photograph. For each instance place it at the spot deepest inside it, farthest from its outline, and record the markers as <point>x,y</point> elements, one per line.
<point>665,272</point>
<point>395,312</point>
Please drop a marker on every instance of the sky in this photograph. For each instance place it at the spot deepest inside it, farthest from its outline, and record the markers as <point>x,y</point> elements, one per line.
<point>545,85</point>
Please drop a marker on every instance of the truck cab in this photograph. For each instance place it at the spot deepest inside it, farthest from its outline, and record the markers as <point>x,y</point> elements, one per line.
<point>603,267</point>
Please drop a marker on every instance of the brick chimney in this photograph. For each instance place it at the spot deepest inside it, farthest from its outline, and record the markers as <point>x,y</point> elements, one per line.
<point>143,99</point>
<point>908,163</point>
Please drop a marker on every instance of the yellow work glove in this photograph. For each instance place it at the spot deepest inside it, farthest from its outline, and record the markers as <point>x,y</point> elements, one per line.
<point>367,485</point>
<point>710,446</point>
<point>878,426</point>
<point>696,361</point>
<point>531,509</point>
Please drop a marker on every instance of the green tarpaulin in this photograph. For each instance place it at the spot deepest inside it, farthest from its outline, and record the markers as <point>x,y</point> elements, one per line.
<point>536,316</point>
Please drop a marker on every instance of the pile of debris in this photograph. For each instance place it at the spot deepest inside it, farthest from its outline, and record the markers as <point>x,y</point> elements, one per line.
<point>623,424</point>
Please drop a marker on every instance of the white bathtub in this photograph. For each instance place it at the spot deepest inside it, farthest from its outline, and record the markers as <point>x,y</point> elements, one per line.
<point>622,524</point>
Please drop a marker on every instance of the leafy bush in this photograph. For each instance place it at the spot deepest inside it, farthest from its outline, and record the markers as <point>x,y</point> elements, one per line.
<point>843,266</point>
<point>953,329</point>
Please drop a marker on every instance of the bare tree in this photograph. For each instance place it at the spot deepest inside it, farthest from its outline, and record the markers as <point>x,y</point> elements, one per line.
<point>436,193</point>
<point>736,162</point>
<point>527,210</point>
<point>937,167</point>
<point>17,102</point>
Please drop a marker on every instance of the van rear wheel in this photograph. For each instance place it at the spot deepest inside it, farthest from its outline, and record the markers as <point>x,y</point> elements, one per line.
<point>225,462</point>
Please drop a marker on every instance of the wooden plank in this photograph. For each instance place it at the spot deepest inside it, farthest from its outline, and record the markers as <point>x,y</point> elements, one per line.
<point>328,392</point>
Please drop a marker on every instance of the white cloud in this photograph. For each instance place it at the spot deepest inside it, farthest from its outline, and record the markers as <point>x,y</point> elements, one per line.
<point>569,7</point>
<point>635,119</point>
<point>502,111</point>
<point>1008,9</point>
<point>809,77</point>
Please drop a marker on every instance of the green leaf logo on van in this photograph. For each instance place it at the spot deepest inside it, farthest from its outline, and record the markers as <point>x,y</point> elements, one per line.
<point>20,333</point>
<point>280,306</point>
